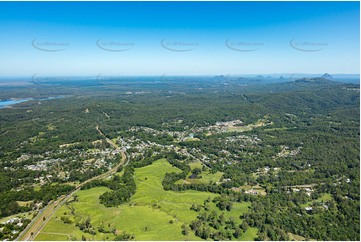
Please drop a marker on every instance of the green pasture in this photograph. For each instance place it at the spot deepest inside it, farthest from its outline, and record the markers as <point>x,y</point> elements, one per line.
<point>152,213</point>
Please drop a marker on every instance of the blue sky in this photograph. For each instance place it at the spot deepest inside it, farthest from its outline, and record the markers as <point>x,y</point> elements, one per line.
<point>178,38</point>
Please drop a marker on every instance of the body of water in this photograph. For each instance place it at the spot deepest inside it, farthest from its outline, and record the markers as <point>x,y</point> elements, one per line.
<point>7,103</point>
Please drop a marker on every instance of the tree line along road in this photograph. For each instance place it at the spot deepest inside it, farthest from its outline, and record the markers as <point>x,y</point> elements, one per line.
<point>45,214</point>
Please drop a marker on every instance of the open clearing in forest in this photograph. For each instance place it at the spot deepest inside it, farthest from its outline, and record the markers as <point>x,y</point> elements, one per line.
<point>205,177</point>
<point>249,127</point>
<point>324,198</point>
<point>148,215</point>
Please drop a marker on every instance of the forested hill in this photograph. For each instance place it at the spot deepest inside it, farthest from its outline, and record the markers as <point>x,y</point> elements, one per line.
<point>290,149</point>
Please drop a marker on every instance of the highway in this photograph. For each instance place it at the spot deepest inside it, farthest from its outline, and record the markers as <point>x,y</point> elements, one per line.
<point>38,223</point>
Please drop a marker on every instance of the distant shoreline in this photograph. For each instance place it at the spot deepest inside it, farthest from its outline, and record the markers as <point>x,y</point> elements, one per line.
<point>10,102</point>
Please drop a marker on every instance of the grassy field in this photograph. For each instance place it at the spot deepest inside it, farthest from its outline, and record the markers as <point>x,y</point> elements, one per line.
<point>324,198</point>
<point>276,129</point>
<point>24,203</point>
<point>249,127</point>
<point>205,176</point>
<point>196,164</point>
<point>152,213</point>
<point>295,237</point>
<point>191,139</point>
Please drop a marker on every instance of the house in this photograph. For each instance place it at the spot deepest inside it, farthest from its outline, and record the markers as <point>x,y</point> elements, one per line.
<point>12,220</point>
<point>251,192</point>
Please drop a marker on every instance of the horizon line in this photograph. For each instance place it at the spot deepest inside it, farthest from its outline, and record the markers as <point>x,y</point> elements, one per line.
<point>170,74</point>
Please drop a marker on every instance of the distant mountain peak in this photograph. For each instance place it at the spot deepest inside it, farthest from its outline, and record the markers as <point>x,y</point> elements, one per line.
<point>327,76</point>
<point>315,80</point>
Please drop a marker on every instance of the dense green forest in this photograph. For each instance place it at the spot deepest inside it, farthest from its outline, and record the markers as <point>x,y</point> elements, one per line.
<point>299,145</point>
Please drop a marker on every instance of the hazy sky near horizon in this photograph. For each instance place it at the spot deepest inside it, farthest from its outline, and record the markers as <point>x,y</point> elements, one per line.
<point>178,38</point>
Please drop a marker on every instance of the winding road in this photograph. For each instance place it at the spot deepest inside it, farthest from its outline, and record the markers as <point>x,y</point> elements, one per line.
<point>45,214</point>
